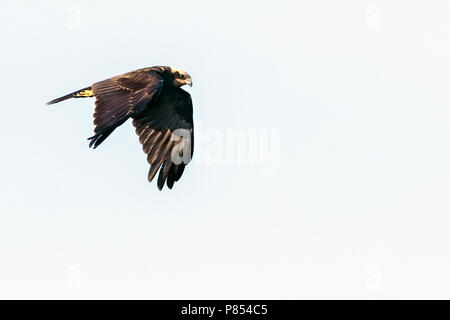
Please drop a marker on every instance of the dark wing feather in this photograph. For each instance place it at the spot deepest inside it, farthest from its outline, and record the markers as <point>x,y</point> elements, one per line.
<point>121,97</point>
<point>165,130</point>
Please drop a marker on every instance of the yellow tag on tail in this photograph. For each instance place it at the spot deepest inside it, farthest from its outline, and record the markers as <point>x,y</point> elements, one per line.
<point>84,93</point>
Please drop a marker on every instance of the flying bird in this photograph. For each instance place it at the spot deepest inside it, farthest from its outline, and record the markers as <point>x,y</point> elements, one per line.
<point>161,112</point>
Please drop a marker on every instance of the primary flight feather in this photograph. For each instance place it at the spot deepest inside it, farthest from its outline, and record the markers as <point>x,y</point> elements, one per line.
<point>161,111</point>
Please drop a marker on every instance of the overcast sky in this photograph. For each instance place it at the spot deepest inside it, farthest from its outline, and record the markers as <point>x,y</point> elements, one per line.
<point>342,190</point>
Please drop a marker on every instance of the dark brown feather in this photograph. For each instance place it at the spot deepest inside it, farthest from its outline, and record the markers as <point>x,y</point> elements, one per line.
<point>155,127</point>
<point>121,97</point>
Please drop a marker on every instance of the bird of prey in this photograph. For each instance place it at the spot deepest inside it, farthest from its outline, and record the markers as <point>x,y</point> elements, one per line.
<point>161,111</point>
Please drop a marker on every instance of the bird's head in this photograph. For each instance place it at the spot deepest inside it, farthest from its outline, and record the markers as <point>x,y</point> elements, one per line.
<point>180,78</point>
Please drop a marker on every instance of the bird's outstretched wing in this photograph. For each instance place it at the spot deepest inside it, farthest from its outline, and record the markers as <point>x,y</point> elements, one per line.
<point>121,97</point>
<point>165,130</point>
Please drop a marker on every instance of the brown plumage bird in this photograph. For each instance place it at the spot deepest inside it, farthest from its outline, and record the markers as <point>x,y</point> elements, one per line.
<point>161,112</point>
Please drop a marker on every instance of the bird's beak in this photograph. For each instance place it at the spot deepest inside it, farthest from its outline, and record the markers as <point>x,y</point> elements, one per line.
<point>190,83</point>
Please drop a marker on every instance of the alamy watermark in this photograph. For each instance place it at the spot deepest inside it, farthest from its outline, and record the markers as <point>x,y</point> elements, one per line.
<point>254,147</point>
<point>73,21</point>
<point>73,277</point>
<point>374,17</point>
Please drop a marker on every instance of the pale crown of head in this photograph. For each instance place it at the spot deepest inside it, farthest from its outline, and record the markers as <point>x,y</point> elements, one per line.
<point>180,77</point>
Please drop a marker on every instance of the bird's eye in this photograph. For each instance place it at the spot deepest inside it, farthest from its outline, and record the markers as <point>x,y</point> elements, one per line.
<point>182,77</point>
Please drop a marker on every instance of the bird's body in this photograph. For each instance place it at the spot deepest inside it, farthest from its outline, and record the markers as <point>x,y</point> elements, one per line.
<point>161,112</point>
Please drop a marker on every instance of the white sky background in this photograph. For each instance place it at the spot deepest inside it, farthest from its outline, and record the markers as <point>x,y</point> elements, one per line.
<point>358,208</point>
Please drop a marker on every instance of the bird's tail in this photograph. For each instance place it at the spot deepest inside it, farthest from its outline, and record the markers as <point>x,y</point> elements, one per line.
<point>83,93</point>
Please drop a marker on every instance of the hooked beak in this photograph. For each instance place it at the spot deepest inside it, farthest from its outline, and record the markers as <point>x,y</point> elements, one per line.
<point>190,83</point>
